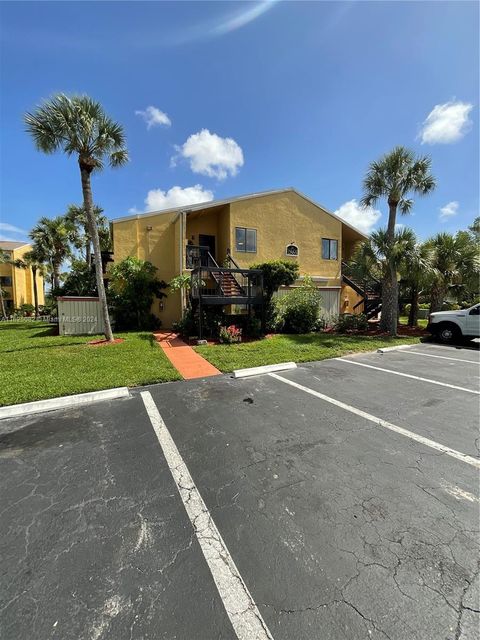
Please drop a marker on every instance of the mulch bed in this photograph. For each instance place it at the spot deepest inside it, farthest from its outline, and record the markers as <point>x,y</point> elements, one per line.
<point>102,343</point>
<point>374,330</point>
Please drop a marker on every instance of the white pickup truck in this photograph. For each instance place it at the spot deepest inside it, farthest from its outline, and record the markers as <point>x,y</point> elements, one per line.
<point>451,326</point>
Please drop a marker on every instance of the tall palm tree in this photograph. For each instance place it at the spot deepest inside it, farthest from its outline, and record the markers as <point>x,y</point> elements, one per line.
<point>33,260</point>
<point>394,177</point>
<point>52,238</point>
<point>417,270</point>
<point>455,257</point>
<point>79,218</point>
<point>4,259</point>
<point>79,126</point>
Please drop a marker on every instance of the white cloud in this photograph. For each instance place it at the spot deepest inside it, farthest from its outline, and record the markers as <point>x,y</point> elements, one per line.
<point>363,219</point>
<point>154,117</point>
<point>157,199</point>
<point>448,211</point>
<point>9,233</point>
<point>446,123</point>
<point>211,155</point>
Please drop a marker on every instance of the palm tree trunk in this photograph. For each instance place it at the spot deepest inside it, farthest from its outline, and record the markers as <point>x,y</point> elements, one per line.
<point>436,298</point>
<point>56,276</point>
<point>88,253</point>
<point>389,319</point>
<point>35,291</point>
<point>413,313</point>
<point>2,303</point>
<point>85,171</point>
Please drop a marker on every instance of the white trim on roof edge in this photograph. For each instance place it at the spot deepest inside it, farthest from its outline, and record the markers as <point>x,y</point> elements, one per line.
<point>248,196</point>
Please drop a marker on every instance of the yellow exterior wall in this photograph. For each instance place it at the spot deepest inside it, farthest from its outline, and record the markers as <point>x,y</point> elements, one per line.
<point>285,218</point>
<point>159,245</point>
<point>21,291</point>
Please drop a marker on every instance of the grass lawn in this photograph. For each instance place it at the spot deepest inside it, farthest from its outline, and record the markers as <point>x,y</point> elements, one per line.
<point>422,323</point>
<point>296,348</point>
<point>36,364</point>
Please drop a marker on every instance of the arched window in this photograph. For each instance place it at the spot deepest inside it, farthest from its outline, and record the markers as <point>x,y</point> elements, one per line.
<point>291,250</point>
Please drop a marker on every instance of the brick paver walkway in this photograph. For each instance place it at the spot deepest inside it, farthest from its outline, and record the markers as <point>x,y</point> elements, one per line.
<point>186,361</point>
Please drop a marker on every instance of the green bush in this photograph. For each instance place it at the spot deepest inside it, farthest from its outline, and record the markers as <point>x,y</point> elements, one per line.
<point>212,320</point>
<point>297,311</point>
<point>80,280</point>
<point>133,288</point>
<point>351,322</point>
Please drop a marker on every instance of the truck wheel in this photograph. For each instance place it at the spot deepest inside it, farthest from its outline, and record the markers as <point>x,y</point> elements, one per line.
<point>448,332</point>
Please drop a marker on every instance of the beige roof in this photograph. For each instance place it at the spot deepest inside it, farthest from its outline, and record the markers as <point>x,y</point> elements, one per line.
<point>248,196</point>
<point>7,245</point>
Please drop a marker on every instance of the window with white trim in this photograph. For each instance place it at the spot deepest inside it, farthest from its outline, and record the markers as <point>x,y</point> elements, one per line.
<point>291,250</point>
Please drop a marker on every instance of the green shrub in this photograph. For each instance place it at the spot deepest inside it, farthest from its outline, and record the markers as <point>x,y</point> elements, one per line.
<point>351,322</point>
<point>26,309</point>
<point>276,273</point>
<point>212,320</point>
<point>297,311</point>
<point>133,288</point>
<point>253,327</point>
<point>80,280</point>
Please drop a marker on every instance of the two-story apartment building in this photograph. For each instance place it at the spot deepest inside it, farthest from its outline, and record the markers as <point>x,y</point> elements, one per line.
<point>17,283</point>
<point>259,227</point>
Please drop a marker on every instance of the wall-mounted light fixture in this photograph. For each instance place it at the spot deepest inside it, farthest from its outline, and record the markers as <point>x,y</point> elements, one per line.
<point>161,306</point>
<point>149,227</point>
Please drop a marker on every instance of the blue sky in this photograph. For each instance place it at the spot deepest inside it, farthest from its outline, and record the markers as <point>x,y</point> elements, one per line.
<point>225,98</point>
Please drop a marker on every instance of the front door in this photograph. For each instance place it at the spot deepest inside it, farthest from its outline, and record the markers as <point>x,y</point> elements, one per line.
<point>208,241</point>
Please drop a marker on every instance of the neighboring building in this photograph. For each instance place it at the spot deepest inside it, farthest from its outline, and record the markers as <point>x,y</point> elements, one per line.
<point>17,283</point>
<point>259,227</point>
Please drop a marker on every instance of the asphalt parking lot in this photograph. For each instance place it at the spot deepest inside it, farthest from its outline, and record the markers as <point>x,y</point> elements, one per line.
<point>337,500</point>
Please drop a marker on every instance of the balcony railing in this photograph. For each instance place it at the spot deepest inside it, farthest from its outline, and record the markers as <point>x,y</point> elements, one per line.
<point>196,256</point>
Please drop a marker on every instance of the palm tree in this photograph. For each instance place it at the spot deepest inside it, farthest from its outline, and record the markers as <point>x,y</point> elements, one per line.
<point>52,239</point>
<point>417,269</point>
<point>33,260</point>
<point>4,259</point>
<point>394,177</point>
<point>79,126</point>
<point>455,258</point>
<point>78,216</point>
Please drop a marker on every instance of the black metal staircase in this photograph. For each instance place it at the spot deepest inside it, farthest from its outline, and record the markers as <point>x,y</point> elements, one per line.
<point>370,291</point>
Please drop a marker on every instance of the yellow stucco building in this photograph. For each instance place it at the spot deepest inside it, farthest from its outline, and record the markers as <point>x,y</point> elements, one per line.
<point>282,224</point>
<point>17,283</point>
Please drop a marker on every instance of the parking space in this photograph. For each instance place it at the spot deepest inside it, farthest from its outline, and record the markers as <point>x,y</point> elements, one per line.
<point>331,501</point>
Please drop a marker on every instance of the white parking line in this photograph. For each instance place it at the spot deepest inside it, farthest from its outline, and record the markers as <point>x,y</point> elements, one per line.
<point>383,423</point>
<point>431,355</point>
<point>408,375</point>
<point>237,600</point>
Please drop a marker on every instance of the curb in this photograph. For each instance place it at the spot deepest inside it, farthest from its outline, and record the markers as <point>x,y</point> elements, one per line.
<point>27,408</point>
<point>269,368</point>
<point>400,346</point>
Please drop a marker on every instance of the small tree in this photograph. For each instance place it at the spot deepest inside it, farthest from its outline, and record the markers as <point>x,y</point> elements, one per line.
<point>33,260</point>
<point>52,240</point>
<point>78,216</point>
<point>4,259</point>
<point>454,259</point>
<point>276,274</point>
<point>394,177</point>
<point>80,280</point>
<point>134,286</point>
